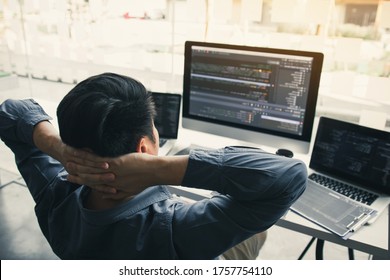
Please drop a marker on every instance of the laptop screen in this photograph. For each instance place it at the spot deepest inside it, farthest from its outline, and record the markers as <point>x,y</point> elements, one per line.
<point>352,152</point>
<point>168,113</point>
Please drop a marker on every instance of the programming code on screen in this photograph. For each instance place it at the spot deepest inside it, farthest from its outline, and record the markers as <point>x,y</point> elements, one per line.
<point>262,90</point>
<point>353,153</point>
<point>167,117</point>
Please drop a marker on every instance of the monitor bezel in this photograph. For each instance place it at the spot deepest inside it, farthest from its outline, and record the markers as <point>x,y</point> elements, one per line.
<point>250,133</point>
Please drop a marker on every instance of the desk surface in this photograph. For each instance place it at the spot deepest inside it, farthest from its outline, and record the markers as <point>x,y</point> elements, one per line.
<point>373,239</point>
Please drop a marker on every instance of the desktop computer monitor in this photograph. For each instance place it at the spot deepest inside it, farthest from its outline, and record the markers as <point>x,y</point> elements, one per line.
<point>259,95</point>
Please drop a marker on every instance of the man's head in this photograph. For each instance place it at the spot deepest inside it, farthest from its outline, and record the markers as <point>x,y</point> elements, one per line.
<point>110,115</point>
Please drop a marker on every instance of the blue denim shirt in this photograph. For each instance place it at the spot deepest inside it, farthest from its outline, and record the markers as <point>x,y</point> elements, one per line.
<point>255,189</point>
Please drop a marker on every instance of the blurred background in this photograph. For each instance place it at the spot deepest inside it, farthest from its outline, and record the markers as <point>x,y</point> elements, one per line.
<point>47,46</point>
<point>65,41</point>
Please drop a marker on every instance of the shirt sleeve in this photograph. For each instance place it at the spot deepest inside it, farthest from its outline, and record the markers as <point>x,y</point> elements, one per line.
<point>245,174</point>
<point>255,190</point>
<point>18,118</point>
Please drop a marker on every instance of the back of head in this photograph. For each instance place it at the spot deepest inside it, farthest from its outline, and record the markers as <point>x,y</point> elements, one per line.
<point>107,113</point>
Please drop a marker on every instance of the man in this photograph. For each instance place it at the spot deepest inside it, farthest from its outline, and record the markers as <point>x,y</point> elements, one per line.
<point>109,119</point>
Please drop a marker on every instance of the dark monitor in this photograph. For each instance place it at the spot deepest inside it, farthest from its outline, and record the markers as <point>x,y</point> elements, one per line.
<point>260,95</point>
<point>168,114</point>
<point>353,152</point>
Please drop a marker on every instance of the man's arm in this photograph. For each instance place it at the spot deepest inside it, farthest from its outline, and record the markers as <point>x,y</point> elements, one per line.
<point>47,139</point>
<point>257,188</point>
<point>130,171</point>
<point>246,174</point>
<point>23,123</point>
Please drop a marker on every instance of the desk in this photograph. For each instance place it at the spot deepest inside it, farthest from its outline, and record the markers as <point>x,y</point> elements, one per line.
<point>372,239</point>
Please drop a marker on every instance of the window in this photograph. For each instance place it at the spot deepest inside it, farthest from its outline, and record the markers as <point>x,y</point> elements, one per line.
<point>67,40</point>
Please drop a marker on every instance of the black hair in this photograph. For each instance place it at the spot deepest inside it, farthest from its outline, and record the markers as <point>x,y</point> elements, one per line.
<point>106,113</point>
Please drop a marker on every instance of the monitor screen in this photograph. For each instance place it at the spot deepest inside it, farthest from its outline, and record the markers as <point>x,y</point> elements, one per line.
<point>261,95</point>
<point>167,114</point>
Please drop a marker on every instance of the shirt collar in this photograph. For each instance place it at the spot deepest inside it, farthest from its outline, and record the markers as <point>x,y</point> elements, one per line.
<point>146,198</point>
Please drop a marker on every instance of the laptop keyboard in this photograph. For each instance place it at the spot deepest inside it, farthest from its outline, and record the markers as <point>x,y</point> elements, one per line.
<point>352,192</point>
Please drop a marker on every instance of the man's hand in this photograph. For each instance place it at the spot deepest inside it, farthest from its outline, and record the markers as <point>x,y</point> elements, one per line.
<point>46,139</point>
<point>130,173</point>
<point>85,168</point>
<point>125,175</point>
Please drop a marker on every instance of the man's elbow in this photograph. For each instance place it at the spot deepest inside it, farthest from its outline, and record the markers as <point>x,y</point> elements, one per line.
<point>299,180</point>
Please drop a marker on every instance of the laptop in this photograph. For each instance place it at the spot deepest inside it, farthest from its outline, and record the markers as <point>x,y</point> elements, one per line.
<point>167,119</point>
<point>353,161</point>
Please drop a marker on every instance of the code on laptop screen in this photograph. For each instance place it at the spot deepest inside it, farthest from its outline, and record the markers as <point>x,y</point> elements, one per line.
<point>358,153</point>
<point>168,113</point>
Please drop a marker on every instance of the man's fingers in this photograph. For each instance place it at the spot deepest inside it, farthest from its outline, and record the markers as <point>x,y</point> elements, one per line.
<point>97,164</point>
<point>85,158</point>
<point>108,190</point>
<point>91,179</point>
<point>75,168</point>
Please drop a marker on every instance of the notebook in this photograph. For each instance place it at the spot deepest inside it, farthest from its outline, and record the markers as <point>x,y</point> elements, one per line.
<point>345,157</point>
<point>167,119</point>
